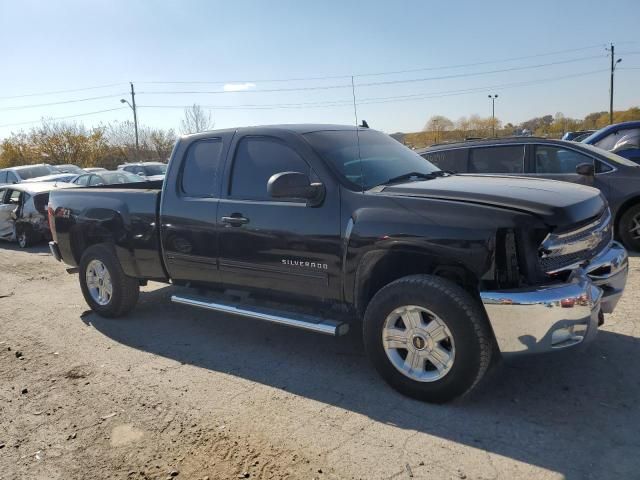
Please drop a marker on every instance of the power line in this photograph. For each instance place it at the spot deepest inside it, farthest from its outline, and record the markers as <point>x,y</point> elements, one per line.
<point>390,82</point>
<point>373,100</point>
<point>61,91</point>
<point>441,67</point>
<point>63,118</point>
<point>372,74</point>
<point>22,107</point>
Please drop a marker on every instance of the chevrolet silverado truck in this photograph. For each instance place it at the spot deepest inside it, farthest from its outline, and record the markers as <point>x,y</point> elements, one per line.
<point>328,228</point>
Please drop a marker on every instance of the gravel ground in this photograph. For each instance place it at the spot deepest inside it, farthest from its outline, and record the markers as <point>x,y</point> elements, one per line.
<point>172,392</point>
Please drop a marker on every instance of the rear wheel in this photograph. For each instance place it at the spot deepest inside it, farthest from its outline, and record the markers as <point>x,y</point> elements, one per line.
<point>629,228</point>
<point>24,237</point>
<point>428,338</point>
<point>105,287</point>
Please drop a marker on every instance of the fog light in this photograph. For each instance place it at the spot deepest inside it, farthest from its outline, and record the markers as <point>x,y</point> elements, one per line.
<point>568,336</point>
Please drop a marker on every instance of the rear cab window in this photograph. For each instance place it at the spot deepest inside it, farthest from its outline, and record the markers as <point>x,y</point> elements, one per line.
<point>200,169</point>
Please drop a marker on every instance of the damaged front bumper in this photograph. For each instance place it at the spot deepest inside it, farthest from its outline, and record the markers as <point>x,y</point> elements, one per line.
<point>560,315</point>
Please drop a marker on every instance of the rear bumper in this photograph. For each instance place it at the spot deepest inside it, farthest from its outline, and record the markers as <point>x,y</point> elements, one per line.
<point>561,315</point>
<point>55,251</point>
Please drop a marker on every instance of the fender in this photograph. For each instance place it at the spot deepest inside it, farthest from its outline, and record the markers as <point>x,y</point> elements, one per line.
<point>422,236</point>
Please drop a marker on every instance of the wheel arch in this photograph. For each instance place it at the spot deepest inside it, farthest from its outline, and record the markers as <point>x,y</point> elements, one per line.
<point>381,267</point>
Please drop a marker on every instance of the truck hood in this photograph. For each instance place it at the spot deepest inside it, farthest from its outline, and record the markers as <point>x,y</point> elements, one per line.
<point>558,204</point>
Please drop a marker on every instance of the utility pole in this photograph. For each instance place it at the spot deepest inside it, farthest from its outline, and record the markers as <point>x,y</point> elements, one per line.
<point>132,105</point>
<point>493,112</point>
<point>135,117</point>
<point>614,62</point>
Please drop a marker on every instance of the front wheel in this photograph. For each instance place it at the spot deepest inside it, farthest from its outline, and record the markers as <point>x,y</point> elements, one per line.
<point>105,287</point>
<point>428,338</point>
<point>629,228</point>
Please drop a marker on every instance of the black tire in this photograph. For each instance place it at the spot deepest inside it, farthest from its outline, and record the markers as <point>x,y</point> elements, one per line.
<point>625,224</point>
<point>125,290</point>
<point>25,236</point>
<point>462,315</point>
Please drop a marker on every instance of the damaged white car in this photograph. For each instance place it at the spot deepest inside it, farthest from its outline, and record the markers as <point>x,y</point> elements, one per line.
<point>23,212</point>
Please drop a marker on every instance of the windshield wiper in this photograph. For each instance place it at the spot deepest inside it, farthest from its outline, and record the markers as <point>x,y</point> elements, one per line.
<point>417,175</point>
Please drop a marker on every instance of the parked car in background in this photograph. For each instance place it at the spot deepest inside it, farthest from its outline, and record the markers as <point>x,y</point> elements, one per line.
<point>57,177</point>
<point>620,138</point>
<point>616,177</point>
<point>69,168</point>
<point>94,169</point>
<point>148,170</point>
<point>23,212</point>
<point>13,175</point>
<point>575,136</point>
<point>106,178</point>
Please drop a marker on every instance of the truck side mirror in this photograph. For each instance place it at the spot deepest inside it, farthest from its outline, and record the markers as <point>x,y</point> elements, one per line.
<point>585,169</point>
<point>292,185</point>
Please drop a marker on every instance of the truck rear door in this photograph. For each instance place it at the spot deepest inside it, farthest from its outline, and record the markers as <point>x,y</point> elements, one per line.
<point>189,208</point>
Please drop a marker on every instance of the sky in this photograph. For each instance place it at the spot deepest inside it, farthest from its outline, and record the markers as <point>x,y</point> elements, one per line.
<point>265,62</point>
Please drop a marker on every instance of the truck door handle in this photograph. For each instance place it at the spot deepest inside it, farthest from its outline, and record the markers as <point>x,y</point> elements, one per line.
<point>235,220</point>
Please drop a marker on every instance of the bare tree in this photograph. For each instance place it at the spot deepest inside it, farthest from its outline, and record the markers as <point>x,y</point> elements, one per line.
<point>196,120</point>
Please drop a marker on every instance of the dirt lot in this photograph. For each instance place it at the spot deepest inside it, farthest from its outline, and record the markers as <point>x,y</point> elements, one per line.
<point>171,391</point>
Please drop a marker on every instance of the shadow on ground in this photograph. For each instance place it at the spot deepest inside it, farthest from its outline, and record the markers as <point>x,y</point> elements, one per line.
<point>13,247</point>
<point>574,413</point>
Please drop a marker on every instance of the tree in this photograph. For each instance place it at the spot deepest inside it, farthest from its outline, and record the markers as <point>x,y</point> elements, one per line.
<point>196,120</point>
<point>436,125</point>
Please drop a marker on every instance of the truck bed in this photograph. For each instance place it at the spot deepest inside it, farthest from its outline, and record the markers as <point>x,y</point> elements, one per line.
<point>126,215</point>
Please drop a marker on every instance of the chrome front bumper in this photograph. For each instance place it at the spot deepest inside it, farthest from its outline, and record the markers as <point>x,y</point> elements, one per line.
<point>556,316</point>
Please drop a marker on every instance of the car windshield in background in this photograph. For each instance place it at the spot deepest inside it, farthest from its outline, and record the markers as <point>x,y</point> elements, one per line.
<point>150,170</point>
<point>36,171</point>
<point>70,169</point>
<point>610,156</point>
<point>379,159</point>
<point>111,178</point>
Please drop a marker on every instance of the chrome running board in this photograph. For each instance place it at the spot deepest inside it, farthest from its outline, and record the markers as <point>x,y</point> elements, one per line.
<point>289,319</point>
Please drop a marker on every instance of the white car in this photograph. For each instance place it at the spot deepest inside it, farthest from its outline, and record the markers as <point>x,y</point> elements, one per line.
<point>147,170</point>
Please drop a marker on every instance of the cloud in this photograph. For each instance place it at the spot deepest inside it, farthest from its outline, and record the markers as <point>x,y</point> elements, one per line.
<point>238,87</point>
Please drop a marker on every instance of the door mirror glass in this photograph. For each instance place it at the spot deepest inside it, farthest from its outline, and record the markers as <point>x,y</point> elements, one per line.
<point>295,185</point>
<point>585,169</point>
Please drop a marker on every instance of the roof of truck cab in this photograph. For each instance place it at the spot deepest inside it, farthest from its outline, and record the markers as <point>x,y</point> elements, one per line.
<point>299,128</point>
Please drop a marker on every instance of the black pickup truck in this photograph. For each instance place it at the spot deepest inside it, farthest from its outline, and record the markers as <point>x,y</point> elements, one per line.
<point>330,227</point>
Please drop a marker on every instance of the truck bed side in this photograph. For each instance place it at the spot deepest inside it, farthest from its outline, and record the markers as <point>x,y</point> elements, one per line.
<point>124,217</point>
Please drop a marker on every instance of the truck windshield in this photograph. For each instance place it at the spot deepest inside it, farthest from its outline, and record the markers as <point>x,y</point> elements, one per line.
<point>380,157</point>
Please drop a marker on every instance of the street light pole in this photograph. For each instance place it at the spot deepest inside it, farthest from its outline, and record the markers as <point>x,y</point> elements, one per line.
<point>613,69</point>
<point>493,113</point>
<point>135,116</point>
<point>132,105</point>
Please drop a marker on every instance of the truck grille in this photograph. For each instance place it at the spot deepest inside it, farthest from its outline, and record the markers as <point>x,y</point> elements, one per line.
<point>562,251</point>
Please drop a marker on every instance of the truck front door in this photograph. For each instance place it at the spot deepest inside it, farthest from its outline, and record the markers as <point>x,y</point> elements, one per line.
<point>274,244</point>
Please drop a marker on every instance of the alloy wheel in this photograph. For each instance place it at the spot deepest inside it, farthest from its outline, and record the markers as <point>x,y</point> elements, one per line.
<point>418,343</point>
<point>99,282</point>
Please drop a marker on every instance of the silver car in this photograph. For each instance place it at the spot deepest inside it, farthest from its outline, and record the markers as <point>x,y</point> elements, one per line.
<point>147,170</point>
<point>13,175</point>
<point>23,212</point>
